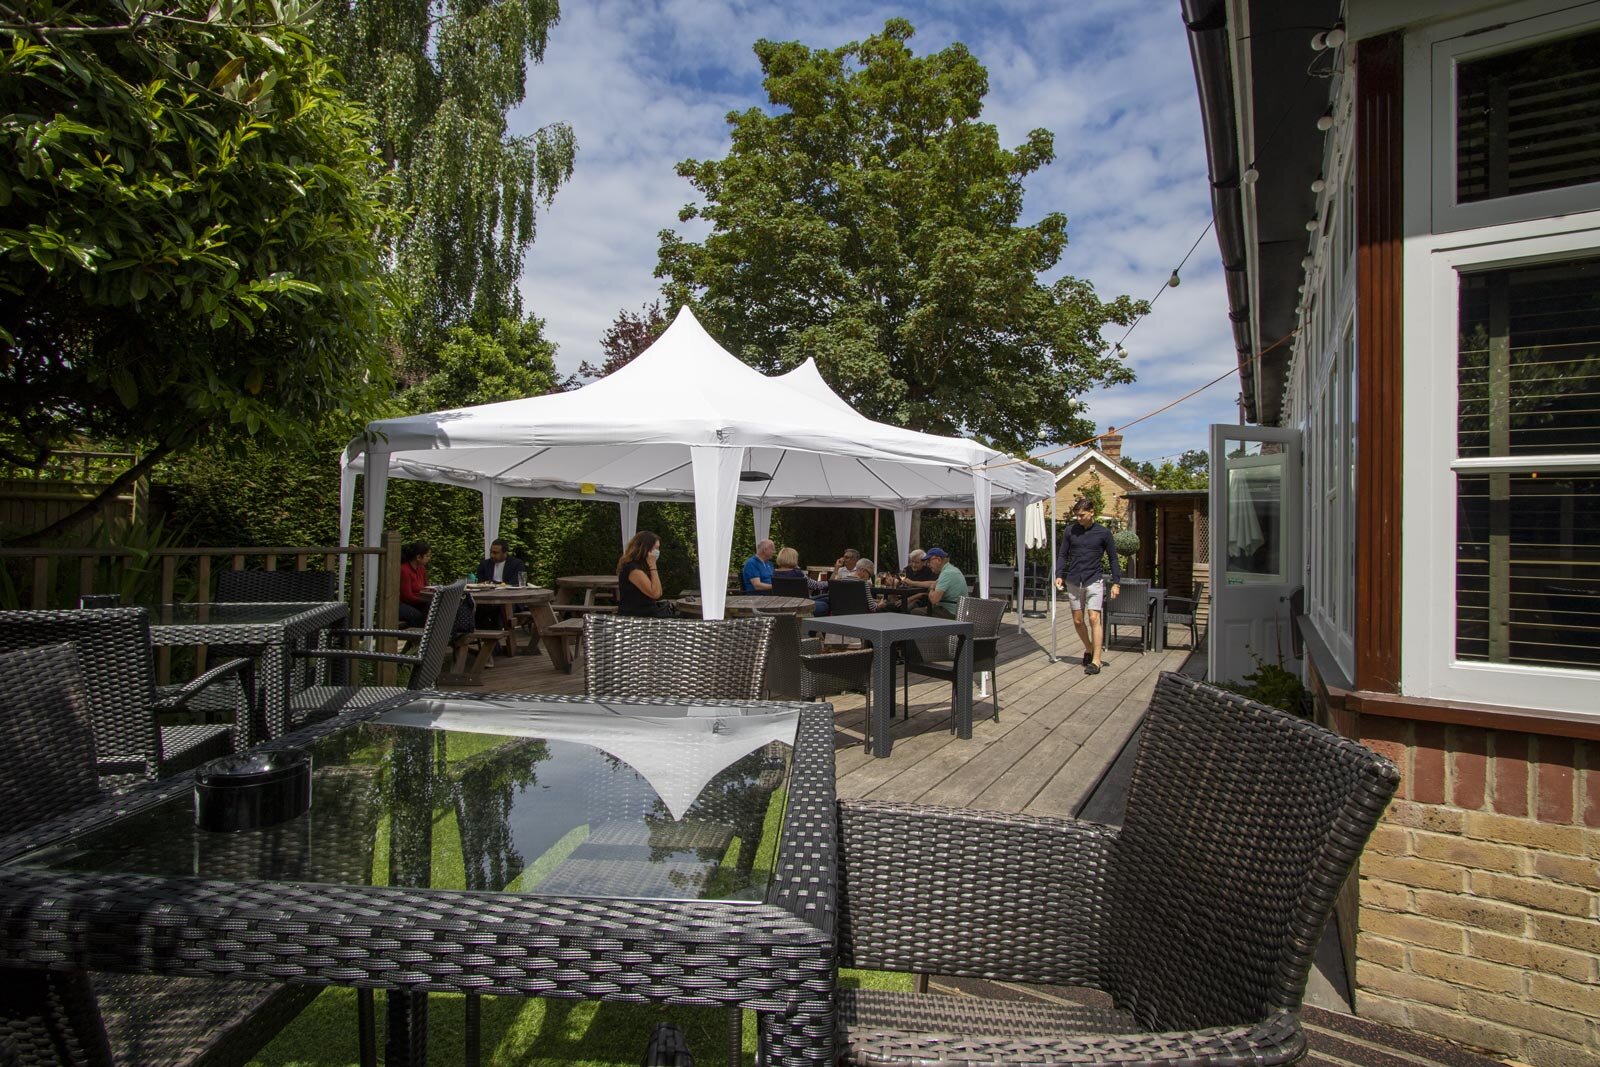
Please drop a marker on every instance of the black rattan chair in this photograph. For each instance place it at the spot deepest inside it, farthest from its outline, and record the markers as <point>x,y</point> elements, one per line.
<point>704,658</point>
<point>1185,611</point>
<point>783,656</point>
<point>277,587</point>
<point>114,658</point>
<point>848,596</point>
<point>935,657</point>
<point>1199,916</point>
<point>320,701</point>
<point>1130,607</point>
<point>67,1017</point>
<point>97,601</point>
<point>791,585</point>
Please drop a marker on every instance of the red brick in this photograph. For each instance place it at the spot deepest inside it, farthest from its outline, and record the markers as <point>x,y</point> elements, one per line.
<point>1390,738</point>
<point>1555,779</point>
<point>1591,806</point>
<point>1469,766</point>
<point>1427,764</point>
<point>1511,773</point>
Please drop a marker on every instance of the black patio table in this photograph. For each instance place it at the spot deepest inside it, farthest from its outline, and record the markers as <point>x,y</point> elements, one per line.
<point>883,631</point>
<point>641,851</point>
<point>268,632</point>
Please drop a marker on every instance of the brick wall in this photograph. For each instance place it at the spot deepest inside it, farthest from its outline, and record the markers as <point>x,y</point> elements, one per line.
<point>1068,492</point>
<point>1480,892</point>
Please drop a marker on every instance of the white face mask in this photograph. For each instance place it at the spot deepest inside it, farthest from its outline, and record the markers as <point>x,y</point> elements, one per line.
<point>655,553</point>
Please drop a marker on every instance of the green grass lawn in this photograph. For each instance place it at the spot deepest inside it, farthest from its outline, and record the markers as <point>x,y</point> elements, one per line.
<point>526,1032</point>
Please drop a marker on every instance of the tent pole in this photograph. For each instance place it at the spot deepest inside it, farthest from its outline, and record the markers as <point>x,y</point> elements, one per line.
<point>876,560</point>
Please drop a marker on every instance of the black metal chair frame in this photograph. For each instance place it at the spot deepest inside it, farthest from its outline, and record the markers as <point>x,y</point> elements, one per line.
<point>1134,591</point>
<point>936,658</point>
<point>1185,611</point>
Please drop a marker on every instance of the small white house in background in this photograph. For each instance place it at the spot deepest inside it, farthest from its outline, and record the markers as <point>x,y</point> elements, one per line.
<point>1407,201</point>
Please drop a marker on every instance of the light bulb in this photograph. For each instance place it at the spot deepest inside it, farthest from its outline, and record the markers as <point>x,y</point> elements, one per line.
<point>1122,353</point>
<point>1318,185</point>
<point>1313,223</point>
<point>1172,282</point>
<point>1305,264</point>
<point>1250,175</point>
<point>1325,121</point>
<point>1334,37</point>
<point>1319,41</point>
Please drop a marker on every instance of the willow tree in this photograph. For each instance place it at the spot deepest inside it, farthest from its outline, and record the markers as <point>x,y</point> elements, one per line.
<point>869,219</point>
<point>440,77</point>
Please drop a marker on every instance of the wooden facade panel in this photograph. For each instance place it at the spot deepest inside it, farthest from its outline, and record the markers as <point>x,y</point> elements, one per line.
<point>1378,150</point>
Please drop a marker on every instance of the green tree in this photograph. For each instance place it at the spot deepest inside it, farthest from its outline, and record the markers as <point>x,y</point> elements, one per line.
<point>482,367</point>
<point>870,221</point>
<point>187,220</point>
<point>440,76</point>
<point>1191,471</point>
<point>629,334</point>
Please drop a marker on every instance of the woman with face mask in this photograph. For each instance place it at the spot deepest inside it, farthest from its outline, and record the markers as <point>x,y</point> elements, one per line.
<point>638,584</point>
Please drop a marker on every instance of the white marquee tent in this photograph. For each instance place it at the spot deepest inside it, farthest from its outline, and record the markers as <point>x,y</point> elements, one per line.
<point>688,421</point>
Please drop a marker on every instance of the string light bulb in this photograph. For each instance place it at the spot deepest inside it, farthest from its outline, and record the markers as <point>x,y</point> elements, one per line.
<point>1318,185</point>
<point>1250,175</point>
<point>1121,353</point>
<point>1313,223</point>
<point>1172,282</point>
<point>1325,121</point>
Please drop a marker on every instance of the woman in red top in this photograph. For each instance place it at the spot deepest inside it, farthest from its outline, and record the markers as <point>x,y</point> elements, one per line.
<point>414,594</point>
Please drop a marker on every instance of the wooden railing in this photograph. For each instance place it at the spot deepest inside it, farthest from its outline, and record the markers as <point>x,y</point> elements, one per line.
<point>41,578</point>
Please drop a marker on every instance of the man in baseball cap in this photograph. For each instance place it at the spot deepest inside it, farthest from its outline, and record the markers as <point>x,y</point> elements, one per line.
<point>949,584</point>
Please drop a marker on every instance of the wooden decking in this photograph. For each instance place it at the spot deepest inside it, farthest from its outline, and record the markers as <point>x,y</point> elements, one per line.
<point>1059,728</point>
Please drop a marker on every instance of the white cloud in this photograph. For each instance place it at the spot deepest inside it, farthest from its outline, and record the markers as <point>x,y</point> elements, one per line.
<point>647,83</point>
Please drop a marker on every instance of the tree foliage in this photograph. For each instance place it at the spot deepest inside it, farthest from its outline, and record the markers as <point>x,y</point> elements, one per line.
<point>629,334</point>
<point>1191,471</point>
<point>440,76</point>
<point>484,366</point>
<point>186,227</point>
<point>870,220</point>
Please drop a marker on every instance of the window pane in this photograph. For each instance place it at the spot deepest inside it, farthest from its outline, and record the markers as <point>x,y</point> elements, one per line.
<point>1528,569</point>
<point>1528,120</point>
<point>1529,369</point>
<point>1255,513</point>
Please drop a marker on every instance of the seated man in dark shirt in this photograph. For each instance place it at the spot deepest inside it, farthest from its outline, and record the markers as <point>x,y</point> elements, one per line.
<point>501,566</point>
<point>1078,573</point>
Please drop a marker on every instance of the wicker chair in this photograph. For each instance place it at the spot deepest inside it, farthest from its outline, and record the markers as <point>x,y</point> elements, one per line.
<point>114,659</point>
<point>848,596</point>
<point>51,1017</point>
<point>790,585</point>
<point>1199,917</point>
<point>783,656</point>
<point>1185,611</point>
<point>277,587</point>
<point>935,657</point>
<point>321,701</point>
<point>1130,607</point>
<point>97,601</point>
<point>708,659</point>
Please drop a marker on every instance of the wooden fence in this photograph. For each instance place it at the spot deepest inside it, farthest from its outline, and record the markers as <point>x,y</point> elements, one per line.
<point>39,578</point>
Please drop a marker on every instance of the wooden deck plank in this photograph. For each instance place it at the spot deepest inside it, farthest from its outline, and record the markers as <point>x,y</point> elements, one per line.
<point>1058,730</point>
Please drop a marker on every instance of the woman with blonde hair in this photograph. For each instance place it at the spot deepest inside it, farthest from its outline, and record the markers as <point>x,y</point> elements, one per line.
<point>638,583</point>
<point>787,565</point>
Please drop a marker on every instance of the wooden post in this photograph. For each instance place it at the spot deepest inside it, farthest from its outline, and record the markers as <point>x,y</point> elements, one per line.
<point>169,570</point>
<point>202,594</point>
<point>389,601</point>
<point>299,562</point>
<point>272,561</point>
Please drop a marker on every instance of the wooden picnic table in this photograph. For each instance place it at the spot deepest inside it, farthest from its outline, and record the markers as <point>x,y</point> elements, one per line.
<point>586,589</point>
<point>748,605</point>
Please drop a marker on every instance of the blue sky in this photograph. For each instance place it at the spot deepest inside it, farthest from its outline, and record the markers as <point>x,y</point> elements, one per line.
<point>646,83</point>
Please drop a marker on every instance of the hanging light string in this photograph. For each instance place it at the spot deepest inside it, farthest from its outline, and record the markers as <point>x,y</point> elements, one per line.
<point>1170,283</point>
<point>1230,372</point>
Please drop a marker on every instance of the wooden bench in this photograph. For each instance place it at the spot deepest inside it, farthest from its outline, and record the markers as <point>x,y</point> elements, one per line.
<point>478,646</point>
<point>584,609</point>
<point>561,641</point>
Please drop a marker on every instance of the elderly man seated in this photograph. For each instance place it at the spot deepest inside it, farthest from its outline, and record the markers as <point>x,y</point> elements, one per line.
<point>865,572</point>
<point>845,566</point>
<point>756,577</point>
<point>950,585</point>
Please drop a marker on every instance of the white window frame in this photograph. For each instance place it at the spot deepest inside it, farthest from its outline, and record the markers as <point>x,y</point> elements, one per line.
<point>1429,666</point>
<point>1443,239</point>
<point>1501,30</point>
<point>1323,392</point>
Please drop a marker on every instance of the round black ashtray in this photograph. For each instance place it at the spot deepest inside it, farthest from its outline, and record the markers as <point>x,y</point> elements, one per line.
<point>252,790</point>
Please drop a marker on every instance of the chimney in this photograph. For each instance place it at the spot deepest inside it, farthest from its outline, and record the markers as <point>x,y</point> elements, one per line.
<point>1111,444</point>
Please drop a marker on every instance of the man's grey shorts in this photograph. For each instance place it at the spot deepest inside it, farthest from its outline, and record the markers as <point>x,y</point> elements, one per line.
<point>1089,597</point>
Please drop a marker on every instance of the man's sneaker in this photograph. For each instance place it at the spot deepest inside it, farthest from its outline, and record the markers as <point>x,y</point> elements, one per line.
<point>1088,658</point>
<point>1092,668</point>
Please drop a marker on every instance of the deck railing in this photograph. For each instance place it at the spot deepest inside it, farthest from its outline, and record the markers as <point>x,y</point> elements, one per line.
<point>41,578</point>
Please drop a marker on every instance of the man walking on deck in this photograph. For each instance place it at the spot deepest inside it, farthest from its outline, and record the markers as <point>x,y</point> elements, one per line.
<point>1078,573</point>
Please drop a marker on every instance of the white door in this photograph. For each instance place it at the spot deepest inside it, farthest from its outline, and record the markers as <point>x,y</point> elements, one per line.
<point>1255,548</point>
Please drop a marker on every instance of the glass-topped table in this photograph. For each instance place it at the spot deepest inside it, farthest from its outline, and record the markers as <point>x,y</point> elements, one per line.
<point>267,632</point>
<point>678,851</point>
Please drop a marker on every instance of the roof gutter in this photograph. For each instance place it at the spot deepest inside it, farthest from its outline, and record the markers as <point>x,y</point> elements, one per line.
<point>1207,23</point>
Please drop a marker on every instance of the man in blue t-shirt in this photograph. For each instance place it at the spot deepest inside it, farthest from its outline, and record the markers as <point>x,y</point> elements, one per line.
<point>1078,573</point>
<point>756,578</point>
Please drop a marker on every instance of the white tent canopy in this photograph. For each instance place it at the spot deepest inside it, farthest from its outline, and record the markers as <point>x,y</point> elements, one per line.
<point>683,421</point>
